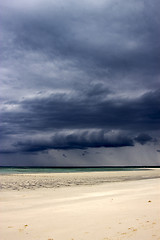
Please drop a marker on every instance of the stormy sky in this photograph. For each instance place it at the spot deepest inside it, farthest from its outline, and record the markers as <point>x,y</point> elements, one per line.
<point>80,82</point>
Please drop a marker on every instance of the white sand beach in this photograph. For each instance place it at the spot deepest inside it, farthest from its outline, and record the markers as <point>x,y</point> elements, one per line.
<point>81,206</point>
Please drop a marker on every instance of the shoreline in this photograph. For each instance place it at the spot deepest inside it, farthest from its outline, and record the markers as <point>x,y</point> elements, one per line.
<point>57,180</point>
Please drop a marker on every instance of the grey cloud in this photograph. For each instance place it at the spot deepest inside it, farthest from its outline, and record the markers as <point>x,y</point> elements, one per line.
<point>143,138</point>
<point>79,66</point>
<point>84,153</point>
<point>109,38</point>
<point>98,90</point>
<point>67,45</point>
<point>77,140</point>
<point>60,112</point>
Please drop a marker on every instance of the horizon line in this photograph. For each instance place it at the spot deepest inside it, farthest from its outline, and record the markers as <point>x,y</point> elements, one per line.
<point>118,166</point>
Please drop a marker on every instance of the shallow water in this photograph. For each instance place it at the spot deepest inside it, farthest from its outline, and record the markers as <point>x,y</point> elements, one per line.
<point>21,170</point>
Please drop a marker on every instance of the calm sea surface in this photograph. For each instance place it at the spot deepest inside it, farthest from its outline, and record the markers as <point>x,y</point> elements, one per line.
<point>20,170</point>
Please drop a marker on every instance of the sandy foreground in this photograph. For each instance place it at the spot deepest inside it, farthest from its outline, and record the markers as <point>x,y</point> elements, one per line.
<point>81,206</point>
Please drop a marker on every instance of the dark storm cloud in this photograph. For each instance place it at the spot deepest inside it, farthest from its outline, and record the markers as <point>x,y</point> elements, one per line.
<point>54,113</point>
<point>121,37</point>
<point>97,90</point>
<point>76,140</point>
<point>79,67</point>
<point>60,112</point>
<point>143,138</point>
<point>115,42</point>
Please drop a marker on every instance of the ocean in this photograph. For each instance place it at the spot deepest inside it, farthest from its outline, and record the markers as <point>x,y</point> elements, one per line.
<point>21,170</point>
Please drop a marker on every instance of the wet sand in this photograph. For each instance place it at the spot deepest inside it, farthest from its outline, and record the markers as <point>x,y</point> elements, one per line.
<point>81,206</point>
<point>57,180</point>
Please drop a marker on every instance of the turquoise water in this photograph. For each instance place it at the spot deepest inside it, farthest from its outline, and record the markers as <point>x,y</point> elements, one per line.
<point>20,170</point>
